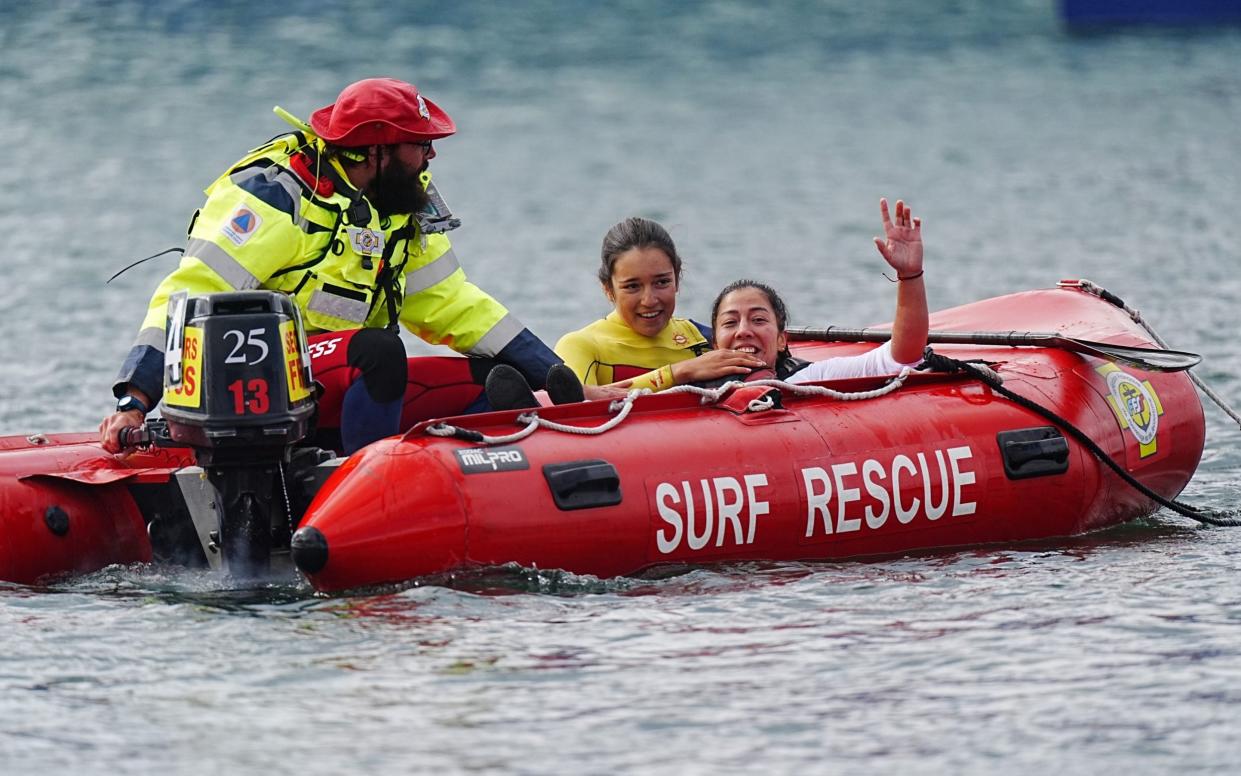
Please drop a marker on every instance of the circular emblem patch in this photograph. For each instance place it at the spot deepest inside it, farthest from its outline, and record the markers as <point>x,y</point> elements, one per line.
<point>680,339</point>
<point>1135,402</point>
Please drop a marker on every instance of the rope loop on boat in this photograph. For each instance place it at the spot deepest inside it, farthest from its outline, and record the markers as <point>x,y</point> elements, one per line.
<point>534,423</point>
<point>713,395</point>
<point>622,407</point>
<point>470,435</point>
<point>761,404</point>
<point>626,405</point>
<point>934,362</point>
<point>1224,518</point>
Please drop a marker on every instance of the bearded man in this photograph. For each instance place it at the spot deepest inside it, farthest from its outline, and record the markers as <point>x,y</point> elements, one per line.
<point>341,216</point>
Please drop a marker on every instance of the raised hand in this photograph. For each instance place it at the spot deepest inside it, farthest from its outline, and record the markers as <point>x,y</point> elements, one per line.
<point>901,245</point>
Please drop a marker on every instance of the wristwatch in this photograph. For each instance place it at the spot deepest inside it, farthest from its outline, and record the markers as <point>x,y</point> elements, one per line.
<point>130,402</point>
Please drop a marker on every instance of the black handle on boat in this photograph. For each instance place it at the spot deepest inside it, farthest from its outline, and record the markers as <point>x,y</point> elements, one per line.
<point>1148,359</point>
<point>132,437</point>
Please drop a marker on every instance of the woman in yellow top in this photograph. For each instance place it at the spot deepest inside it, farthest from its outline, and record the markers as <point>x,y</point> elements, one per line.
<point>640,342</point>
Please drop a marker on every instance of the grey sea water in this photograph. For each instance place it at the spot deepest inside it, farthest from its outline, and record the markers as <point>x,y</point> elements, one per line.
<point>764,137</point>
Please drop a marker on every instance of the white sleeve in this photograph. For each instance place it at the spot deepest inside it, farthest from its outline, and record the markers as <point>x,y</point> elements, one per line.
<point>872,363</point>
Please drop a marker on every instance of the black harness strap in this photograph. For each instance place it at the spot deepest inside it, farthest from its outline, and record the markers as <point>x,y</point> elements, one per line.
<point>357,212</point>
<point>386,281</point>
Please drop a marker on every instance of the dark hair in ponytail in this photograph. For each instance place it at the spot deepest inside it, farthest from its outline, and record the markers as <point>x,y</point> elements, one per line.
<point>634,233</point>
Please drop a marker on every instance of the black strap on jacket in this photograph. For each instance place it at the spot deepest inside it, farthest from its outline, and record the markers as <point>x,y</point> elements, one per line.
<point>358,211</point>
<point>386,281</point>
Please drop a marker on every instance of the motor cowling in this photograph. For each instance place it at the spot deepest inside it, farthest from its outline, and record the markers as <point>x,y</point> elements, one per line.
<point>238,390</point>
<point>237,379</point>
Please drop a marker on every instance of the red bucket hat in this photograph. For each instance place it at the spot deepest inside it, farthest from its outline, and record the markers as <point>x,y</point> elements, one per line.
<point>381,111</point>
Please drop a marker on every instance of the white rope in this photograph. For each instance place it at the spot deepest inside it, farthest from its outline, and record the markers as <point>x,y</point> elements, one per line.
<point>534,422</point>
<point>445,430</point>
<point>622,408</point>
<point>625,406</point>
<point>761,404</point>
<point>1097,290</point>
<point>713,395</point>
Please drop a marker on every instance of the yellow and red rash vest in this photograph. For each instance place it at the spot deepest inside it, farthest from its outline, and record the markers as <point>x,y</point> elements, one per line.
<point>279,219</point>
<point>608,350</point>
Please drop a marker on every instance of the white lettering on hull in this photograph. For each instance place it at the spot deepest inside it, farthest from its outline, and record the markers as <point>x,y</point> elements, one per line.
<point>724,511</point>
<point>822,491</point>
<point>723,500</point>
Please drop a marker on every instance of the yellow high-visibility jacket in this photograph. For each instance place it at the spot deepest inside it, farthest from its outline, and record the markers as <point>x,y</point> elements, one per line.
<point>285,218</point>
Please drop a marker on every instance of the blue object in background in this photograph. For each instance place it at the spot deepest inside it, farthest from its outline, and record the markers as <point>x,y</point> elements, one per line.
<point>1112,12</point>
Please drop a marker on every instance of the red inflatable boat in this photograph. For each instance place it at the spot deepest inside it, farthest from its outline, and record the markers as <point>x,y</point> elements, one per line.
<point>941,461</point>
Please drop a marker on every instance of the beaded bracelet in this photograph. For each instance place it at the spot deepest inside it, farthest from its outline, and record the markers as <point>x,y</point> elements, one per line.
<point>898,277</point>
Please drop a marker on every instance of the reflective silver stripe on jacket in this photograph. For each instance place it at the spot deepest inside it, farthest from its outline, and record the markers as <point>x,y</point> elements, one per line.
<point>223,264</point>
<point>151,337</point>
<point>504,332</point>
<point>424,277</point>
<point>327,303</point>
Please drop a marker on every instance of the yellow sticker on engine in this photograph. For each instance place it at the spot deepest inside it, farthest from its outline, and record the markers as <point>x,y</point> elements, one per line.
<point>294,369</point>
<point>190,392</point>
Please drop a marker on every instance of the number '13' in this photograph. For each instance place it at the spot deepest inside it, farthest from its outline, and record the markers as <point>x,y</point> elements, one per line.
<point>252,397</point>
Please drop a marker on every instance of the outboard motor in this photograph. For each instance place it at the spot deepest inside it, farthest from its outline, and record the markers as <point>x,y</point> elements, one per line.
<point>238,390</point>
